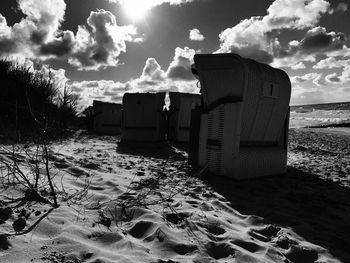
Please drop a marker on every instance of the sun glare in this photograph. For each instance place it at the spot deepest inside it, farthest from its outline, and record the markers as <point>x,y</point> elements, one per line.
<point>136,9</point>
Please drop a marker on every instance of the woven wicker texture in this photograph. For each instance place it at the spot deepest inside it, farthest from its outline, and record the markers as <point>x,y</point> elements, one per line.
<point>243,139</point>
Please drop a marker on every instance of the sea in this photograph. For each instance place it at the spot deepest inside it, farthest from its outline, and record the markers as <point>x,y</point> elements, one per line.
<point>320,115</point>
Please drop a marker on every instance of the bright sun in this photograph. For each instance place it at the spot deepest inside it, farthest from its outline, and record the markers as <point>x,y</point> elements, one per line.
<point>136,9</point>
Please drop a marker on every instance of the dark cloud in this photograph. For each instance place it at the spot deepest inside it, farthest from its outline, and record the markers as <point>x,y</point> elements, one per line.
<point>255,37</point>
<point>38,35</point>
<point>59,47</point>
<point>41,20</point>
<point>7,46</point>
<point>253,52</point>
<point>315,42</point>
<point>318,39</point>
<point>333,78</point>
<point>341,7</point>
<point>180,72</point>
<point>46,16</point>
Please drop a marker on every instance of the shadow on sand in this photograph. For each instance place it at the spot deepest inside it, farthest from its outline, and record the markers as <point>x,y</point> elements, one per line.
<point>316,209</point>
<point>159,150</point>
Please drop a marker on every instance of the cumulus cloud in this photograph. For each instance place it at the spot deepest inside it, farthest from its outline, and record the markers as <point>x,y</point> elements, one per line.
<point>195,35</point>
<point>180,67</point>
<point>296,14</point>
<point>333,78</point>
<point>249,39</point>
<point>299,65</point>
<point>38,35</point>
<point>345,75</point>
<point>152,71</point>
<point>306,77</point>
<point>318,39</point>
<point>334,63</point>
<point>106,90</point>
<point>62,45</point>
<point>41,20</point>
<point>318,81</point>
<point>152,79</point>
<point>331,62</point>
<point>5,30</point>
<point>100,44</point>
<point>344,52</point>
<point>257,37</point>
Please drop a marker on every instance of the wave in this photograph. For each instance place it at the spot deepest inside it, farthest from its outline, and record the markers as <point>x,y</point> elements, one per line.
<point>300,119</point>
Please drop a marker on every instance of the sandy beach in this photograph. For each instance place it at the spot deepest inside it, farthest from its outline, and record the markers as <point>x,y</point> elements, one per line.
<point>95,93</point>
<point>143,203</point>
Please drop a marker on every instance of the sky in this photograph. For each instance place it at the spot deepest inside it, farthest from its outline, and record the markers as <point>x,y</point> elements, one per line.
<point>104,48</point>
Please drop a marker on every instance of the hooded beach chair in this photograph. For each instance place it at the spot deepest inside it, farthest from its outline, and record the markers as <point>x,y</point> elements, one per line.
<point>179,116</point>
<point>244,125</point>
<point>107,117</point>
<point>143,118</point>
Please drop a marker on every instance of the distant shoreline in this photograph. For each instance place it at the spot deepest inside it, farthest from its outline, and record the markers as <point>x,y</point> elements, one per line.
<point>321,106</point>
<point>334,125</point>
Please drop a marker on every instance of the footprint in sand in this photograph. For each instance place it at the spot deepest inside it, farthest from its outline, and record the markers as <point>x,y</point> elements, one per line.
<point>77,172</point>
<point>193,203</point>
<point>176,218</point>
<point>61,164</point>
<point>183,249</point>
<point>250,246</point>
<point>141,228</point>
<point>215,229</point>
<point>265,234</point>
<point>91,166</point>
<point>302,254</point>
<point>219,250</point>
